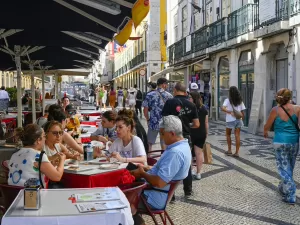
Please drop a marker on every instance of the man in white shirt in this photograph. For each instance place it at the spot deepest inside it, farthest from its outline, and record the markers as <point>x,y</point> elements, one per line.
<point>4,99</point>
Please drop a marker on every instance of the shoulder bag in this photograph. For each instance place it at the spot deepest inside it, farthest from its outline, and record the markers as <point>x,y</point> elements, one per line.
<point>238,115</point>
<point>296,125</point>
<point>40,173</point>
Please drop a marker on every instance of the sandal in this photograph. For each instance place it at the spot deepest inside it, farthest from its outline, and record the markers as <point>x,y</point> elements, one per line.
<point>236,155</point>
<point>228,153</point>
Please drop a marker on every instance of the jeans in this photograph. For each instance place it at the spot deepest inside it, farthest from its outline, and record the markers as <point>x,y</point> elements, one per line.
<point>285,155</point>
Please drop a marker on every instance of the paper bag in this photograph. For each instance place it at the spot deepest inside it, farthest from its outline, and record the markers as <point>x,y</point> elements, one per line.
<point>207,153</point>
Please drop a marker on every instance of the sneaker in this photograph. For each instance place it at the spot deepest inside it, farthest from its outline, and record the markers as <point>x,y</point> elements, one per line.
<point>194,173</point>
<point>197,176</point>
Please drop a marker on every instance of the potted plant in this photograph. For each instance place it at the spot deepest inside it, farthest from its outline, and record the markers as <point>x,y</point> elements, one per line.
<point>12,92</point>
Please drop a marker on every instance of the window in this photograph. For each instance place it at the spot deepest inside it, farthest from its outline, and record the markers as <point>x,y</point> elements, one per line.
<point>226,8</point>
<point>185,28</point>
<point>176,27</point>
<point>208,12</point>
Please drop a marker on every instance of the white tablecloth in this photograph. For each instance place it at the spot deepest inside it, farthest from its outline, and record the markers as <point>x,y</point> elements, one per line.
<point>56,209</point>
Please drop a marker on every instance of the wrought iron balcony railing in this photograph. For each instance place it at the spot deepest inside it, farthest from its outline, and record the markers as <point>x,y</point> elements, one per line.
<point>216,32</point>
<point>242,21</point>
<point>199,39</point>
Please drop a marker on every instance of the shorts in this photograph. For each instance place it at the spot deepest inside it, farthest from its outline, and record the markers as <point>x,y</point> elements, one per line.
<point>152,135</point>
<point>198,141</point>
<point>234,124</point>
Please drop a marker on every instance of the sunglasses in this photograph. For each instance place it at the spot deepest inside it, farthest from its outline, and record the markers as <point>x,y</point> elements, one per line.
<point>56,133</point>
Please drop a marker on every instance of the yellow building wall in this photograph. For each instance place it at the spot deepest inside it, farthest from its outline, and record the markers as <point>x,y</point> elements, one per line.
<point>163,24</point>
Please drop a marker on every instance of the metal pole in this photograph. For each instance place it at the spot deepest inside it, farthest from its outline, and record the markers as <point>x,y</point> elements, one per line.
<point>32,94</point>
<point>43,91</point>
<point>19,89</point>
<point>56,86</point>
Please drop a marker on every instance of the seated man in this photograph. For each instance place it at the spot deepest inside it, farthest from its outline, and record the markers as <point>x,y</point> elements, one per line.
<point>174,163</point>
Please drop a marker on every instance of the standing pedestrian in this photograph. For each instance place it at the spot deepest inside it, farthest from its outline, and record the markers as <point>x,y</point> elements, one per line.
<point>155,101</point>
<point>120,97</point>
<point>285,142</point>
<point>199,135</point>
<point>233,106</point>
<point>4,99</point>
<point>104,98</point>
<point>112,98</point>
<point>187,112</point>
<point>139,100</point>
<point>92,94</point>
<point>131,98</point>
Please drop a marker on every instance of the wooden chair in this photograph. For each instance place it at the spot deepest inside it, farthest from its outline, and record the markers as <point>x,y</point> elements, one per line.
<point>151,161</point>
<point>161,212</point>
<point>9,192</point>
<point>133,193</point>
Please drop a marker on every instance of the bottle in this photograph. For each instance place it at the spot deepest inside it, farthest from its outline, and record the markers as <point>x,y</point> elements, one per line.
<point>89,152</point>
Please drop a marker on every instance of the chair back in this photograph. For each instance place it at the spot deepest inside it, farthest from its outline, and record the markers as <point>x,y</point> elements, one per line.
<point>151,161</point>
<point>9,192</point>
<point>133,192</point>
<point>173,186</point>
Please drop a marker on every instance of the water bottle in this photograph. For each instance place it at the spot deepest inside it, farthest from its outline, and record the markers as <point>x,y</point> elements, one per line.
<point>89,152</point>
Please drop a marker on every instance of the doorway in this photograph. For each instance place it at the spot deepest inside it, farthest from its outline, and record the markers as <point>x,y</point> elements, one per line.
<point>281,74</point>
<point>246,88</point>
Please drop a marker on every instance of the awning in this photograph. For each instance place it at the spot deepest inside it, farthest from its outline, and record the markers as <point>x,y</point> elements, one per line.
<point>161,74</point>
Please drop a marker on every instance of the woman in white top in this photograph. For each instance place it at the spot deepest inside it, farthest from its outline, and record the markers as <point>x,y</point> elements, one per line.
<point>131,97</point>
<point>127,147</point>
<point>231,104</point>
<point>24,166</point>
<point>53,146</point>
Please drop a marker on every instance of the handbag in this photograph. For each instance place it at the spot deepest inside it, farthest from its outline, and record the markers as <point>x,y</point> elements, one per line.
<point>207,154</point>
<point>238,115</point>
<point>296,125</point>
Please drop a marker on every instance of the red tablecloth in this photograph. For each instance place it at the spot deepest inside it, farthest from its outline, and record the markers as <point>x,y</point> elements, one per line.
<point>8,120</point>
<point>88,123</point>
<point>109,179</point>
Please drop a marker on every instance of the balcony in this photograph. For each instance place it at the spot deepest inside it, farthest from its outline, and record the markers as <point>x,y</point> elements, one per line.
<point>136,61</point>
<point>217,32</point>
<point>274,18</point>
<point>242,21</point>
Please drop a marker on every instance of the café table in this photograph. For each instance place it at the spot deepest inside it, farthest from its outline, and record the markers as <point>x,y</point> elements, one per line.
<point>97,177</point>
<point>57,209</point>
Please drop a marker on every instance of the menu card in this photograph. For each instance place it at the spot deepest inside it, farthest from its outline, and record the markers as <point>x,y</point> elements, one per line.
<point>100,206</point>
<point>106,194</point>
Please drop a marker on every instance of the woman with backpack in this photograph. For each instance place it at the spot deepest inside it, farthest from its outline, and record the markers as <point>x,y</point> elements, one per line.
<point>233,106</point>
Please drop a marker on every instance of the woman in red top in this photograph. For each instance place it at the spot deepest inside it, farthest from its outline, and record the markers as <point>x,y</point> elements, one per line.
<point>112,98</point>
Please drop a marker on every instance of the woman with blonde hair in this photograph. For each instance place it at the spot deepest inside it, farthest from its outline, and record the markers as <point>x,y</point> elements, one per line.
<point>24,164</point>
<point>285,142</point>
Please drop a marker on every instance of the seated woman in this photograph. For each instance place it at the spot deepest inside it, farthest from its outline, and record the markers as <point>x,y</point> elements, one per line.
<point>107,131</point>
<point>53,146</point>
<point>127,147</point>
<point>24,165</point>
<point>56,113</point>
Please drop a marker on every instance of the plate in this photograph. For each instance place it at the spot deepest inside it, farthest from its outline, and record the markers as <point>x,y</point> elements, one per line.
<point>109,166</point>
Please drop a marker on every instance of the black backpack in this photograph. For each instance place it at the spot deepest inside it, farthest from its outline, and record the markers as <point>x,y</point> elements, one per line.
<point>139,95</point>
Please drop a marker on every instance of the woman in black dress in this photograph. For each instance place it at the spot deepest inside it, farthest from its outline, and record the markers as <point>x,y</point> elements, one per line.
<point>199,135</point>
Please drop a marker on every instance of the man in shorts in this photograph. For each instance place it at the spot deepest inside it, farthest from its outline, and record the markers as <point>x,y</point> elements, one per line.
<point>155,100</point>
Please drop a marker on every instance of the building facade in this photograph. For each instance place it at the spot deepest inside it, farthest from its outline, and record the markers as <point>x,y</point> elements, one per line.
<point>145,54</point>
<point>249,44</point>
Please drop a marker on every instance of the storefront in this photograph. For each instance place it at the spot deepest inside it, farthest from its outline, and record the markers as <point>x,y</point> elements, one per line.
<point>246,81</point>
<point>223,84</point>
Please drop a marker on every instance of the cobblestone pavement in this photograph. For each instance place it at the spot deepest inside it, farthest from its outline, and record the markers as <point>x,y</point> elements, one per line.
<point>235,191</point>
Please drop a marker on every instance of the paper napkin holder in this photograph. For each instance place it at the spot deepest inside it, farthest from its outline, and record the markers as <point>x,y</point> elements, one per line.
<point>32,198</point>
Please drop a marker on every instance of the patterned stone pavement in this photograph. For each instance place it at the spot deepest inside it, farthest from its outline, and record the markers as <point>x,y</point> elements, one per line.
<point>235,191</point>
